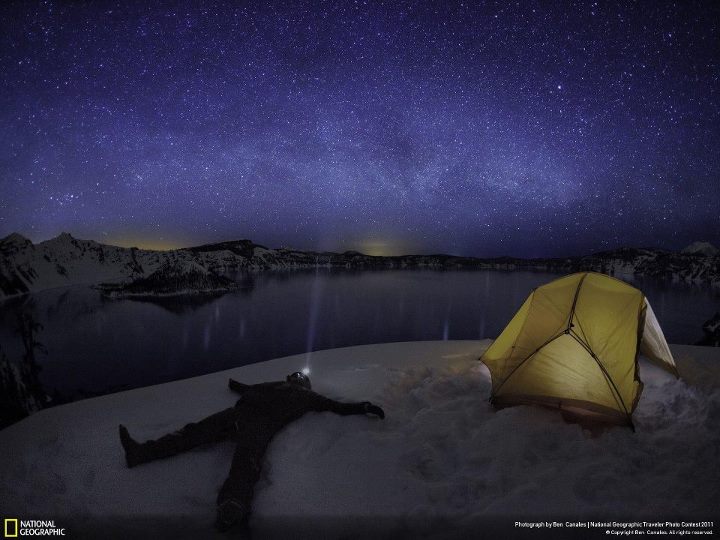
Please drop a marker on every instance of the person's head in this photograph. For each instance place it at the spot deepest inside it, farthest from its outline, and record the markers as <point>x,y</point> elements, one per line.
<point>300,379</point>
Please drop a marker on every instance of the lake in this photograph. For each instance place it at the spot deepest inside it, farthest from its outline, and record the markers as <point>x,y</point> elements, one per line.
<point>96,345</point>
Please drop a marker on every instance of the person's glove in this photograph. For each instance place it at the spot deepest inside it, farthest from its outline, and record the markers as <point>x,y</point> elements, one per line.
<point>230,512</point>
<point>373,409</point>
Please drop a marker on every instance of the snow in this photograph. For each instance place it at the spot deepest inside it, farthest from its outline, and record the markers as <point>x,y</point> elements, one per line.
<point>441,462</point>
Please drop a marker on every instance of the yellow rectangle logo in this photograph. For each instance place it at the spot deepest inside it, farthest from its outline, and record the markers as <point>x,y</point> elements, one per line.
<point>11,528</point>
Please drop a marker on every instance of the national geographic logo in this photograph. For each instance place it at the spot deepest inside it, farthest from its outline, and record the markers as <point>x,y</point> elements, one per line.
<point>13,528</point>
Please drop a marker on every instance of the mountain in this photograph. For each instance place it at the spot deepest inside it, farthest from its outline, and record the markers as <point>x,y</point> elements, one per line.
<point>64,260</point>
<point>701,248</point>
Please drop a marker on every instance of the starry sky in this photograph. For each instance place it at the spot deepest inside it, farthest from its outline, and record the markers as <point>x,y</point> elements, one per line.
<point>476,128</point>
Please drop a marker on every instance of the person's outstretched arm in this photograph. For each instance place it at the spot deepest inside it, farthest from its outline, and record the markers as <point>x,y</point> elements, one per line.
<point>345,409</point>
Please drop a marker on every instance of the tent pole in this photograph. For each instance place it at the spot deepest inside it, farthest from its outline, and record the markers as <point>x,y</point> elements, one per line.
<point>525,360</point>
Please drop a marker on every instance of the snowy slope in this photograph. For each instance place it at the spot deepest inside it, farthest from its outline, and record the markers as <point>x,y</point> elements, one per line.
<point>442,462</point>
<point>65,261</point>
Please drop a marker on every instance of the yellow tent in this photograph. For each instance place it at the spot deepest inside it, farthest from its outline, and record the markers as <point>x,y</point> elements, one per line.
<point>574,345</point>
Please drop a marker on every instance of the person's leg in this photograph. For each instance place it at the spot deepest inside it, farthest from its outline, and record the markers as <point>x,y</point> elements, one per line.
<point>235,498</point>
<point>216,427</point>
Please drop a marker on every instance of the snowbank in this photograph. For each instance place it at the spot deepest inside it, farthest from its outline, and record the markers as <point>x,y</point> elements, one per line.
<point>442,462</point>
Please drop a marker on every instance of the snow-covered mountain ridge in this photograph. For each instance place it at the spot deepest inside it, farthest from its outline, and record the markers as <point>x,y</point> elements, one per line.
<point>64,260</point>
<point>702,248</point>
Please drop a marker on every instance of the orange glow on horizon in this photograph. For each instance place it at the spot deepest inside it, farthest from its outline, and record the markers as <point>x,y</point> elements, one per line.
<point>153,244</point>
<point>379,248</point>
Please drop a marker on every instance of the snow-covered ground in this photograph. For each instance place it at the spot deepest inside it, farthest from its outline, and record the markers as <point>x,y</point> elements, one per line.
<point>441,463</point>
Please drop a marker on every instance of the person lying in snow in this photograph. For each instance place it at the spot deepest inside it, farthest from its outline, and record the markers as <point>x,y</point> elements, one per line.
<point>262,410</point>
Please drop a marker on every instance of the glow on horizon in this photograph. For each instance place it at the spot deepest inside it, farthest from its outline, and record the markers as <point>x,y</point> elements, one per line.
<point>153,244</point>
<point>377,248</point>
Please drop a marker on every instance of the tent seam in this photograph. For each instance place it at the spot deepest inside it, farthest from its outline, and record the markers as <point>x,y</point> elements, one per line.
<point>611,384</point>
<point>525,360</point>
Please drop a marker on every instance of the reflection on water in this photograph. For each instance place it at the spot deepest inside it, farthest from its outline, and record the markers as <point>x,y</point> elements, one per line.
<point>96,345</point>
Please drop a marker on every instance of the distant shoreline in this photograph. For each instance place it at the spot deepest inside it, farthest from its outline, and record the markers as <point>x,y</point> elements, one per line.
<point>26,267</point>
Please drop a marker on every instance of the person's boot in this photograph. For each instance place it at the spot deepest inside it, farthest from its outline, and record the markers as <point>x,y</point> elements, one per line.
<point>133,451</point>
<point>230,512</point>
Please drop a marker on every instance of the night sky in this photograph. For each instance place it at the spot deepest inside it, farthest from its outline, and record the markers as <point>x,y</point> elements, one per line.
<point>529,128</point>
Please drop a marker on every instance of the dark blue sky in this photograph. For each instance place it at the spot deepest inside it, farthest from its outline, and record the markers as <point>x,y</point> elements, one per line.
<point>528,128</point>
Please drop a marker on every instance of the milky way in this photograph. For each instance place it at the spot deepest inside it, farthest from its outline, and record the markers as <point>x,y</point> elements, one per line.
<point>530,128</point>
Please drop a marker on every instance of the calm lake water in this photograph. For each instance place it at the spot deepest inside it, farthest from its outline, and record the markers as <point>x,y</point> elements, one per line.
<point>97,345</point>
